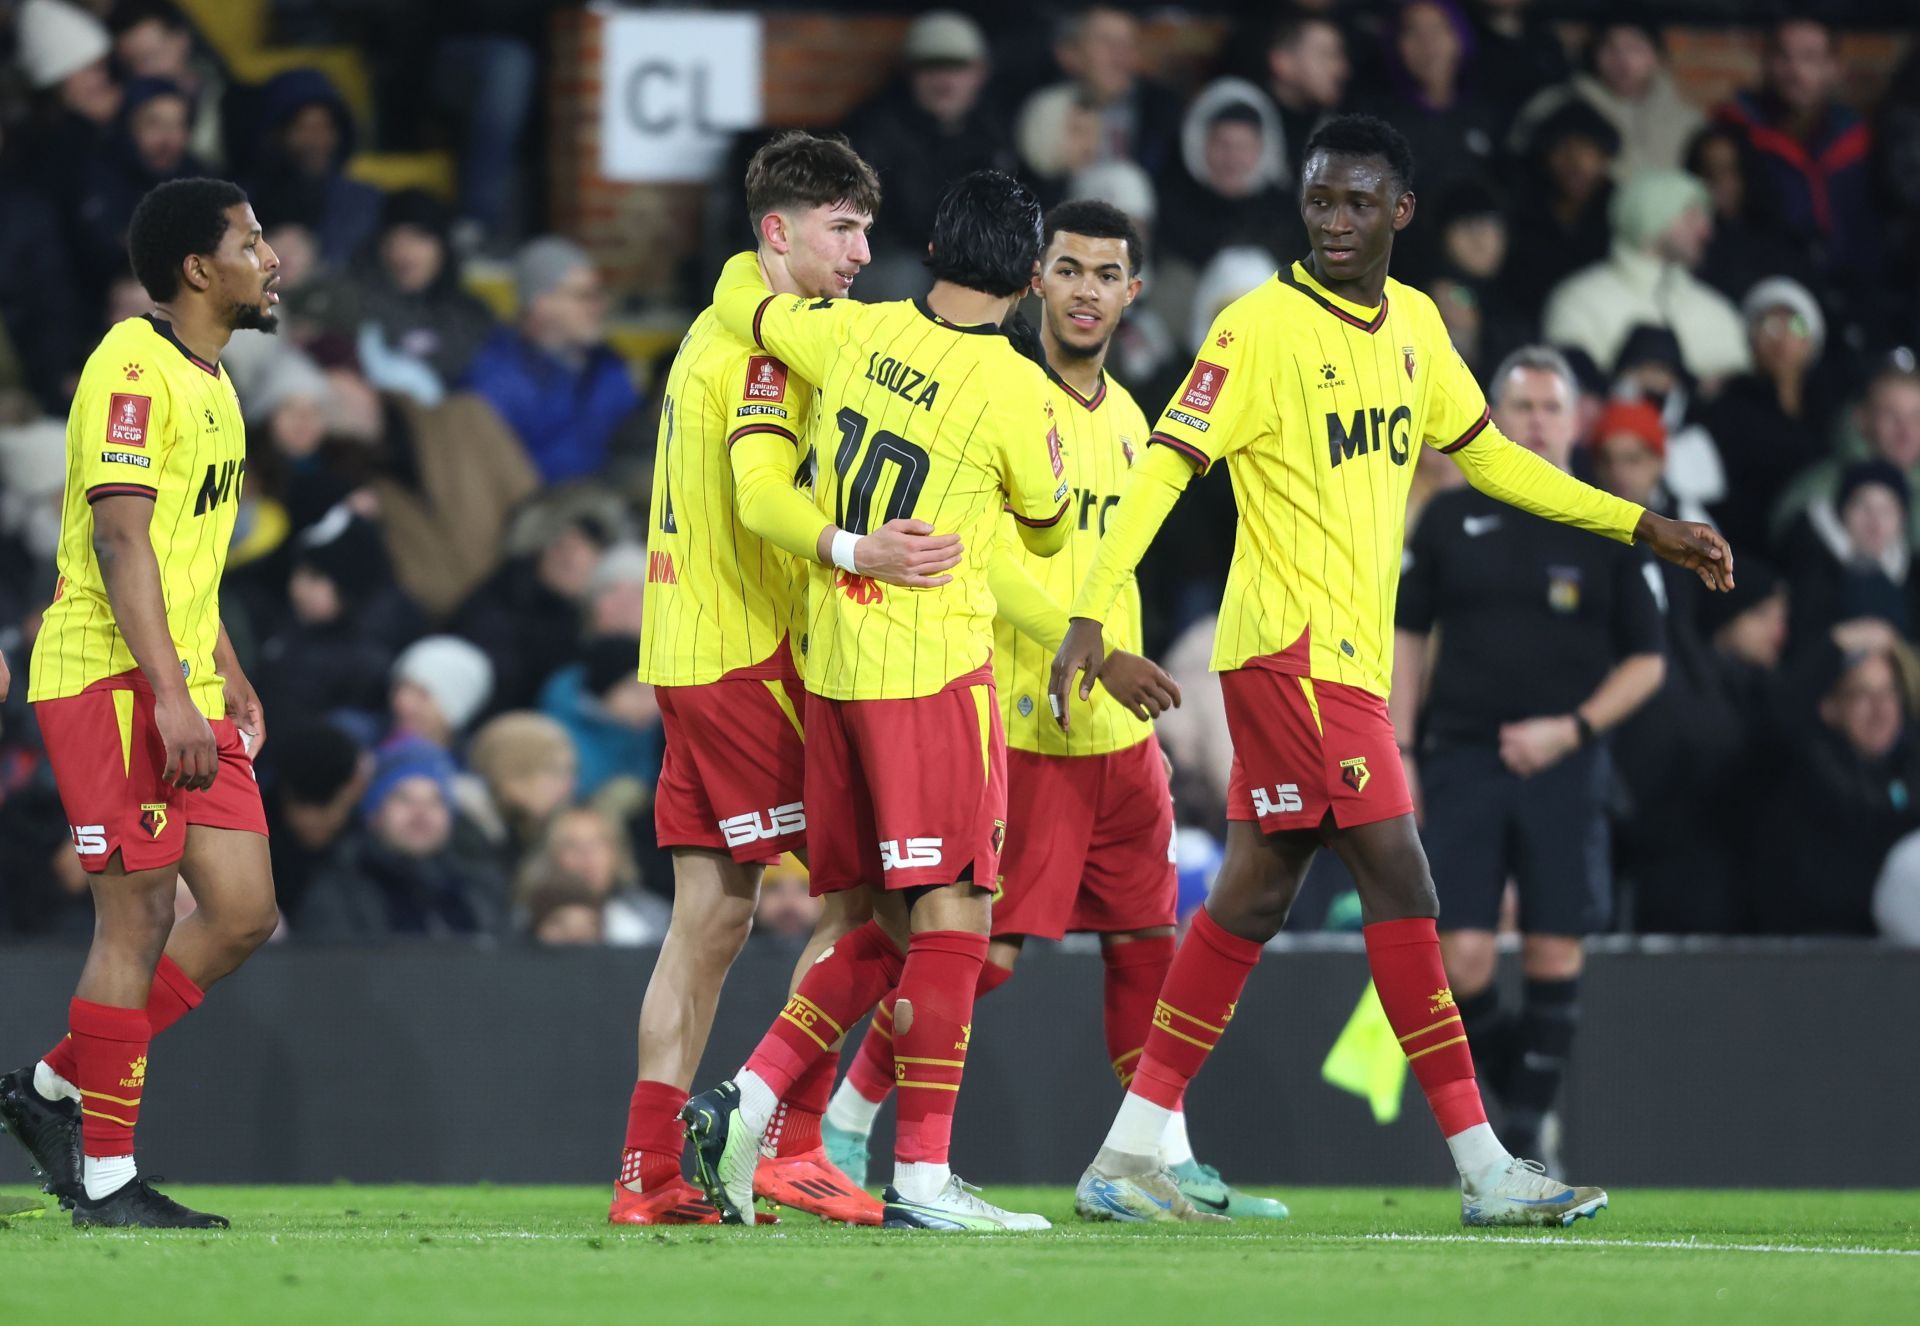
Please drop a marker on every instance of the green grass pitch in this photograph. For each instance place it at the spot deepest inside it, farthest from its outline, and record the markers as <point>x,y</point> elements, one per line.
<point>481,1254</point>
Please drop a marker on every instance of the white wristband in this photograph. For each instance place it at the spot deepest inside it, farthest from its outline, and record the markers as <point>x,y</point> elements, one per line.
<point>844,542</point>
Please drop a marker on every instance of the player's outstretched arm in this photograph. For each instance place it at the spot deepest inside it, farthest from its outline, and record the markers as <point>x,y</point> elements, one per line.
<point>6,678</point>
<point>1699,548</point>
<point>123,547</point>
<point>799,330</point>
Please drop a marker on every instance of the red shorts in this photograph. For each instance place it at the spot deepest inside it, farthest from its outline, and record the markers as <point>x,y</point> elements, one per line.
<point>107,760</point>
<point>730,775</point>
<point>1302,748</point>
<point>1090,845</point>
<point>907,793</point>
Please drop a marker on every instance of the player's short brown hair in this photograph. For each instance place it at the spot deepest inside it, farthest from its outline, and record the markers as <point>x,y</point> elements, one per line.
<point>796,169</point>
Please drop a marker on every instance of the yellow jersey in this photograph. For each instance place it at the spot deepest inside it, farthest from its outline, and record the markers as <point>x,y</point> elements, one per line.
<point>917,417</point>
<point>719,598</point>
<point>1318,404</point>
<point>152,420</point>
<point>1100,436</point>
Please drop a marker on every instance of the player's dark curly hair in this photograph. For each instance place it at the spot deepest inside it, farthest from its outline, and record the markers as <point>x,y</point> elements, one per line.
<point>1364,136</point>
<point>796,169</point>
<point>174,220</point>
<point>986,234</point>
<point>1096,220</point>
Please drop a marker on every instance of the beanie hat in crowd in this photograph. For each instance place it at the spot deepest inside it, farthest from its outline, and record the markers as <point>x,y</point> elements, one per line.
<point>453,671</point>
<point>543,264</point>
<point>1863,472</point>
<point>56,40</point>
<point>610,660</point>
<point>1120,184</point>
<point>314,760</point>
<point>1635,418</point>
<point>1787,293</point>
<point>1650,343</point>
<point>408,757</point>
<point>1651,201</point>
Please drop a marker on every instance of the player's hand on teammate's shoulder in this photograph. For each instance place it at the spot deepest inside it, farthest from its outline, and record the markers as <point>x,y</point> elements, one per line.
<point>1142,686</point>
<point>1081,652</point>
<point>909,553</point>
<point>1698,547</point>
<point>193,756</point>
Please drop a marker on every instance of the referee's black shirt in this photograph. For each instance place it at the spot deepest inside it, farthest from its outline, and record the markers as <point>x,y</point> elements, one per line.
<point>1531,614</point>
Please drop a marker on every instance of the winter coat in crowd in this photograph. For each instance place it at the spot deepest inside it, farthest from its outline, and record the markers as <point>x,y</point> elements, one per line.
<point>565,414</point>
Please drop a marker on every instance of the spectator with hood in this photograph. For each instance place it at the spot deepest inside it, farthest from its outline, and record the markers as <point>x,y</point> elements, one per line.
<point>1559,218</point>
<point>1661,224</point>
<point>930,126</point>
<point>562,389</point>
<point>299,171</point>
<point>411,295</point>
<point>1850,557</point>
<point>148,146</point>
<point>1651,370</point>
<point>1233,189</point>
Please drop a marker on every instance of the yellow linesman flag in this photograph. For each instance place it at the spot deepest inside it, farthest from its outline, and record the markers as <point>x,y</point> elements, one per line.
<point>1366,1059</point>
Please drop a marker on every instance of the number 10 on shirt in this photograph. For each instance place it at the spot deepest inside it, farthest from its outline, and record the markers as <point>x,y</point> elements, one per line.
<point>853,500</point>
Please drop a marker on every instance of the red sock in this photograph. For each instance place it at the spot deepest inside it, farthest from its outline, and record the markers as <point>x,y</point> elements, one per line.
<point>654,1135</point>
<point>795,1127</point>
<point>871,1072</point>
<point>943,970</point>
<point>1135,972</point>
<point>172,996</point>
<point>110,1068</point>
<point>1412,984</point>
<point>836,992</point>
<point>1195,1004</point>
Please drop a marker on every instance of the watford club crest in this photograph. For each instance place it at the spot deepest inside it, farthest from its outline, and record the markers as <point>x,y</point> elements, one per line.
<point>1354,773</point>
<point>153,818</point>
<point>1406,352</point>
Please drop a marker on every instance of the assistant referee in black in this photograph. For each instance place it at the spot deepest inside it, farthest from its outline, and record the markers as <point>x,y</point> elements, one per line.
<point>1519,644</point>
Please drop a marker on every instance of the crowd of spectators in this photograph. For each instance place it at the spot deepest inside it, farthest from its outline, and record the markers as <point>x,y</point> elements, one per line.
<point>437,576</point>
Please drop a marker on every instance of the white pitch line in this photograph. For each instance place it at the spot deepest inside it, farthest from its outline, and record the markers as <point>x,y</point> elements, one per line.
<point>1679,1245</point>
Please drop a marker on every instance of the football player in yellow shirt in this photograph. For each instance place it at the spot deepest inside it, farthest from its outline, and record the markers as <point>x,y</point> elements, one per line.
<point>150,725</point>
<point>927,411</point>
<point>728,536</point>
<point>1090,823</point>
<point>1316,388</point>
